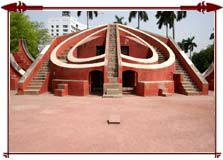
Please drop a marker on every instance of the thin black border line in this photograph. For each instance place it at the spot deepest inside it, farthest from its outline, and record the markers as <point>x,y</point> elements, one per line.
<point>178,153</point>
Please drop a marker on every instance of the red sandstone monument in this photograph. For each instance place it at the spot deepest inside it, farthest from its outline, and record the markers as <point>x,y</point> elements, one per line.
<point>109,60</point>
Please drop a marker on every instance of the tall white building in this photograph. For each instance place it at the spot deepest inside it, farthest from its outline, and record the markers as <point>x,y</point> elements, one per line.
<point>65,24</point>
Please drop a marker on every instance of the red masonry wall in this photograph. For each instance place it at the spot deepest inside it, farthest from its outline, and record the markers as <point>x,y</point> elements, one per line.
<point>89,49</point>
<point>14,78</point>
<point>75,87</point>
<point>136,50</point>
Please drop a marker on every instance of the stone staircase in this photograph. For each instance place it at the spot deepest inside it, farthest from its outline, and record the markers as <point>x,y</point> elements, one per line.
<point>63,56</point>
<point>128,90</point>
<point>37,82</point>
<point>161,57</point>
<point>162,89</point>
<point>188,85</point>
<point>112,89</point>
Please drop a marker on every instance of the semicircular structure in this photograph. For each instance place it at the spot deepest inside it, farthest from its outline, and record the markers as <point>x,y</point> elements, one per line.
<point>114,59</point>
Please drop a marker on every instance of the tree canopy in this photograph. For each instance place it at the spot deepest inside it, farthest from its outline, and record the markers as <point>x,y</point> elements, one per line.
<point>164,18</point>
<point>168,18</point>
<point>204,58</point>
<point>90,15</point>
<point>187,45</point>
<point>119,20</point>
<point>33,32</point>
<point>141,16</point>
<point>211,36</point>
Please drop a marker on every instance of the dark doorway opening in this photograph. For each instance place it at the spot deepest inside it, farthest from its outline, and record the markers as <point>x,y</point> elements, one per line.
<point>96,80</point>
<point>100,50</point>
<point>129,81</point>
<point>125,50</point>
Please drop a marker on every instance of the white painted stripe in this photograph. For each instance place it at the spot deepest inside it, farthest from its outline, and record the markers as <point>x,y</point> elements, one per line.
<point>165,64</point>
<point>57,62</point>
<point>152,59</point>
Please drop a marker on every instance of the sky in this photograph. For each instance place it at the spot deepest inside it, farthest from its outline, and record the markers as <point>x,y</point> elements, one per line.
<point>195,24</point>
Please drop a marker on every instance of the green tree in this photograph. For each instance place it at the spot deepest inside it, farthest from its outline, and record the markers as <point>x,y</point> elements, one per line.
<point>168,18</point>
<point>90,15</point>
<point>187,45</point>
<point>204,58</point>
<point>211,36</point>
<point>141,16</point>
<point>22,28</point>
<point>181,44</point>
<point>43,36</point>
<point>164,19</point>
<point>119,20</point>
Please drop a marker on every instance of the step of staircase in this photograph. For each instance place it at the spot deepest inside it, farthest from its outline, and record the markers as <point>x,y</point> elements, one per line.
<point>112,79</point>
<point>39,78</point>
<point>112,96</point>
<point>112,89</point>
<point>193,93</point>
<point>37,82</point>
<point>128,90</point>
<point>34,87</point>
<point>188,84</point>
<point>31,91</point>
<point>112,74</point>
<point>191,89</point>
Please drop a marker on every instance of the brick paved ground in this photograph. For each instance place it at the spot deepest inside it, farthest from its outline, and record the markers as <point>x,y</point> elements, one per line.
<point>47,123</point>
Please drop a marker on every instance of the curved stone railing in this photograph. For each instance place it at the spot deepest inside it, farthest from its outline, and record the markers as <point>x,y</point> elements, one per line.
<point>70,56</point>
<point>89,59</point>
<point>24,46</point>
<point>59,63</point>
<point>30,69</point>
<point>22,57</point>
<point>38,63</point>
<point>89,39</point>
<point>15,65</point>
<point>152,59</point>
<point>171,57</point>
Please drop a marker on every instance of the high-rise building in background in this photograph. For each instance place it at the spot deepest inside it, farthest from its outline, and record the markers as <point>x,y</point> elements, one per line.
<point>65,24</point>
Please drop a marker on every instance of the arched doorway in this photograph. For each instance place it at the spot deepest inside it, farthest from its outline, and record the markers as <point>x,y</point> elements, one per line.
<point>96,80</point>
<point>129,81</point>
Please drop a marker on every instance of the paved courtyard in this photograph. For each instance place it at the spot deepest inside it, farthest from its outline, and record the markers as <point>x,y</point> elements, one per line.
<point>47,123</point>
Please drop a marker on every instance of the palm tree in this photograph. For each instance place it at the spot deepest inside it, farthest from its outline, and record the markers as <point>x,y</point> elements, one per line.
<point>179,16</point>
<point>164,18</point>
<point>90,15</point>
<point>188,45</point>
<point>119,20</point>
<point>168,18</point>
<point>211,36</point>
<point>142,15</point>
<point>181,45</point>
